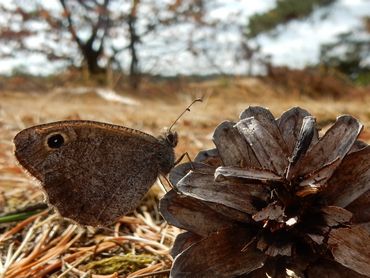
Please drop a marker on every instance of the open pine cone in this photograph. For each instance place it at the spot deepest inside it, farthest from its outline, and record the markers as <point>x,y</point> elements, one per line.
<point>274,200</point>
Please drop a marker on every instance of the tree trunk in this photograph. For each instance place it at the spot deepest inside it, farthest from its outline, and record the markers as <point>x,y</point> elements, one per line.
<point>90,55</point>
<point>134,40</point>
<point>91,58</point>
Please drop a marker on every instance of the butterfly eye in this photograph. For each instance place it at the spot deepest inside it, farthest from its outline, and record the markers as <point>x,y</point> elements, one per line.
<point>55,141</point>
<point>172,138</point>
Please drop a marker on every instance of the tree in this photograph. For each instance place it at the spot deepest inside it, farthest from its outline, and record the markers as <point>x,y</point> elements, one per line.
<point>350,53</point>
<point>58,32</point>
<point>93,33</point>
<point>284,12</point>
<point>93,47</point>
<point>266,22</point>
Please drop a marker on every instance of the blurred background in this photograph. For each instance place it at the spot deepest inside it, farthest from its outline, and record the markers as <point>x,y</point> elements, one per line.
<point>169,39</point>
<point>139,63</point>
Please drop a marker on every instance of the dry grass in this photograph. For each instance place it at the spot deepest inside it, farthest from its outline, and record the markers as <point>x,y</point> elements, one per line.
<point>43,245</point>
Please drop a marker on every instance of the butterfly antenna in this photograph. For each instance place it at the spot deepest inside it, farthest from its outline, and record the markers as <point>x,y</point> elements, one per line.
<point>187,109</point>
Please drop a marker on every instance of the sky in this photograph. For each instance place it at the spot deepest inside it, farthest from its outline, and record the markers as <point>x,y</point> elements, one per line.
<point>298,44</point>
<point>295,45</point>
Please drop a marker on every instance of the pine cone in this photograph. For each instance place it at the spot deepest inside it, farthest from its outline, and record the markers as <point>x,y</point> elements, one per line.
<point>274,199</point>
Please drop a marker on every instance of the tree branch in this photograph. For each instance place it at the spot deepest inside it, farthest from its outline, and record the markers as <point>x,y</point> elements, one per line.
<point>70,26</point>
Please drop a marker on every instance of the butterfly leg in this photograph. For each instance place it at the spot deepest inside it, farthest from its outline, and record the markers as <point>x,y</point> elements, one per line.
<point>182,157</point>
<point>162,184</point>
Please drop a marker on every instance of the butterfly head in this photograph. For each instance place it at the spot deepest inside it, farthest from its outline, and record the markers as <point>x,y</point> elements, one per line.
<point>166,155</point>
<point>171,138</point>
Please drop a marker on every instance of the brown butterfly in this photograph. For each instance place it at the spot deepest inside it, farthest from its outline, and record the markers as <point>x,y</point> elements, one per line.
<point>92,172</point>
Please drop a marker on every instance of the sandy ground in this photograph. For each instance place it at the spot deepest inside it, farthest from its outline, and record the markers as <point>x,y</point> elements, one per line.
<point>153,113</point>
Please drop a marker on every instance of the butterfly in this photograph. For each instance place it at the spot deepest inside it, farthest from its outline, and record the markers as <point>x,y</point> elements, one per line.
<point>93,173</point>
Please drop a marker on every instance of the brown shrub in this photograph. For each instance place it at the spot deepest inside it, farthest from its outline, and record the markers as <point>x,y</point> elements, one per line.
<point>313,82</point>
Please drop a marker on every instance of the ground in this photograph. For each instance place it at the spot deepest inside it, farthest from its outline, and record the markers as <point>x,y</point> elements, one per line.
<point>29,247</point>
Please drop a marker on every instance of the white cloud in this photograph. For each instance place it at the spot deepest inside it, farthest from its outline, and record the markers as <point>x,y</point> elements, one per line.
<point>299,42</point>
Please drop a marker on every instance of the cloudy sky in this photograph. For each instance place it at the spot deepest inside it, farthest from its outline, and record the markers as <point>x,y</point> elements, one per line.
<point>296,44</point>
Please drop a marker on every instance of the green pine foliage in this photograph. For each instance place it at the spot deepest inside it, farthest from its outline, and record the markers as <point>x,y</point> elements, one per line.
<point>284,12</point>
<point>349,54</point>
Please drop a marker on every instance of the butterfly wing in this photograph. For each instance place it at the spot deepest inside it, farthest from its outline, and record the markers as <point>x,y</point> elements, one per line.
<point>97,174</point>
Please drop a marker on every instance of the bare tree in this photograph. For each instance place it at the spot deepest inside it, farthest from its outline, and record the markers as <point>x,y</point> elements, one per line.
<point>134,40</point>
<point>128,35</point>
<point>91,53</point>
